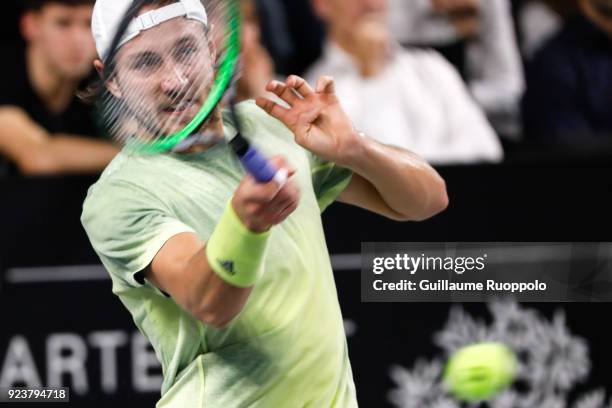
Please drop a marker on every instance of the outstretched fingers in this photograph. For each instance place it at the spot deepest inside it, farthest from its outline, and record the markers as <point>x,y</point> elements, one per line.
<point>300,85</point>
<point>283,91</point>
<point>325,85</point>
<point>272,108</point>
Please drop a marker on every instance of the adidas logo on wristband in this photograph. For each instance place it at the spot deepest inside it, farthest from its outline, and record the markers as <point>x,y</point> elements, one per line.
<point>228,266</point>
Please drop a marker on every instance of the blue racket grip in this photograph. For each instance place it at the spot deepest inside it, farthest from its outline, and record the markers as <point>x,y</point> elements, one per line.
<point>259,167</point>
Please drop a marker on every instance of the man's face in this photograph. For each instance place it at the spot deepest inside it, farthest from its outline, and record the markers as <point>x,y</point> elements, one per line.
<point>63,34</point>
<point>164,74</point>
<point>345,14</point>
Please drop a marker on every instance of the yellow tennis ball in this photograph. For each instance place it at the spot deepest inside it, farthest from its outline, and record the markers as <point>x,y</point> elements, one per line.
<point>478,372</point>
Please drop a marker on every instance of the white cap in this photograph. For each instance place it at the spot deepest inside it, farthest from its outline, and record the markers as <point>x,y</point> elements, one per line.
<point>107,15</point>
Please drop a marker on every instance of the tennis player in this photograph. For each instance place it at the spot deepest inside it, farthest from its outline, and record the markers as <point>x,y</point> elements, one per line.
<point>230,279</point>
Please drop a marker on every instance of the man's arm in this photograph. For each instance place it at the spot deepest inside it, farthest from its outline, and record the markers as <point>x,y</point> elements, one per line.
<point>388,180</point>
<point>36,152</point>
<point>393,182</point>
<point>182,269</point>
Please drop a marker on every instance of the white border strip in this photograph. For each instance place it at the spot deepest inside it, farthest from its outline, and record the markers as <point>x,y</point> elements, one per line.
<point>346,262</point>
<point>340,262</point>
<point>77,273</point>
<point>89,273</point>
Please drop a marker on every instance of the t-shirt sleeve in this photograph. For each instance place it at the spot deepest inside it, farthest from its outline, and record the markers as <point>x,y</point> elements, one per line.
<point>127,226</point>
<point>328,180</point>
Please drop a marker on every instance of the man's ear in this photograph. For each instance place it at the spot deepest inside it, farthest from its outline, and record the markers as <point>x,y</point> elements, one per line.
<point>29,25</point>
<point>110,83</point>
<point>99,66</point>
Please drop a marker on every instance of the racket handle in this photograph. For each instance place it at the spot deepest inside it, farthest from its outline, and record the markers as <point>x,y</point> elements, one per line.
<point>259,167</point>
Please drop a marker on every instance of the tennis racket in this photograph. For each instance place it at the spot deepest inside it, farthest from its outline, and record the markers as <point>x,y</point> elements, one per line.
<point>167,69</point>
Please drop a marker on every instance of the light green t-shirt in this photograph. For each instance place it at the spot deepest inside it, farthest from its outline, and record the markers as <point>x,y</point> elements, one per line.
<point>287,348</point>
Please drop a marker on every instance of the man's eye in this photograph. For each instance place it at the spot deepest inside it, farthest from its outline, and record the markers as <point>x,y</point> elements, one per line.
<point>185,53</point>
<point>148,62</point>
<point>63,22</point>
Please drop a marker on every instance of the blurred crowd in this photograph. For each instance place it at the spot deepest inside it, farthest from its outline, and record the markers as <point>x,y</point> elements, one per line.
<point>456,81</point>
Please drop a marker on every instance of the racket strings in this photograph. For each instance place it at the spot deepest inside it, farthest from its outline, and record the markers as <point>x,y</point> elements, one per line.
<point>171,98</point>
<point>139,108</point>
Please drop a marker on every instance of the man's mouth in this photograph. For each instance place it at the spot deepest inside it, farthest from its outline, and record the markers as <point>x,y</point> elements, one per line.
<point>180,107</point>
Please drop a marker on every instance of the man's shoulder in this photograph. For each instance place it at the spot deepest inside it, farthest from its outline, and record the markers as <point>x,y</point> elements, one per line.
<point>255,122</point>
<point>246,109</point>
<point>120,190</point>
<point>116,177</point>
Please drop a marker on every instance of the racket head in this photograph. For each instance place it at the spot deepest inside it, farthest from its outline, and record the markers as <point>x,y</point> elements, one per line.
<point>166,71</point>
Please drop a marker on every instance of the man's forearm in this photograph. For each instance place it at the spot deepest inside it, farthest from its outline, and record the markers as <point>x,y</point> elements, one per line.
<point>405,182</point>
<point>63,154</point>
<point>213,300</point>
<point>80,154</point>
<point>228,267</point>
<point>36,152</point>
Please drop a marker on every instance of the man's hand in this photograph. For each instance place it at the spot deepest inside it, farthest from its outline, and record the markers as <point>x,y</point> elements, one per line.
<point>316,118</point>
<point>260,206</point>
<point>387,180</point>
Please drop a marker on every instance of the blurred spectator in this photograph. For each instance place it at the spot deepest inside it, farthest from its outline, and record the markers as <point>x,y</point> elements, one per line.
<point>291,33</point>
<point>257,65</point>
<point>41,120</point>
<point>493,66</point>
<point>412,99</point>
<point>539,20</point>
<point>569,93</point>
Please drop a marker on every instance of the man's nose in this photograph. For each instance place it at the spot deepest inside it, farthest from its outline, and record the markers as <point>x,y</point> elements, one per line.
<point>173,78</point>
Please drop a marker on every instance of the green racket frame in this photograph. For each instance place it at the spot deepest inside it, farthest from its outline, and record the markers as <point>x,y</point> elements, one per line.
<point>223,80</point>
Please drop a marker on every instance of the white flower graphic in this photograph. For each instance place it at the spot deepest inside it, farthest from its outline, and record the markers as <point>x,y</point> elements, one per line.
<point>552,362</point>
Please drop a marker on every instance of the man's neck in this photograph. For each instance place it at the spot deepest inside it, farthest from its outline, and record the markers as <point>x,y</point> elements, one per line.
<point>199,148</point>
<point>343,40</point>
<point>55,90</point>
<point>212,127</point>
